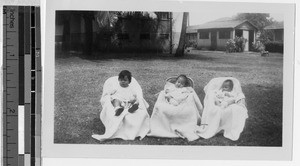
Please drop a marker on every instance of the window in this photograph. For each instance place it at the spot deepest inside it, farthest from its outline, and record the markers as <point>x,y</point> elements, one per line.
<point>204,35</point>
<point>164,15</point>
<point>225,34</point>
<point>164,36</point>
<point>145,36</point>
<point>123,36</point>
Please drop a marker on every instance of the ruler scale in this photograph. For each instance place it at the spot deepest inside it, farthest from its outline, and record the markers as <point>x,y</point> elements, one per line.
<point>38,89</point>
<point>11,85</point>
<point>21,86</point>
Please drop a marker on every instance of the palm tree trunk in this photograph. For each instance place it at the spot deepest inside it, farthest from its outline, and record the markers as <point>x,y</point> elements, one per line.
<point>181,45</point>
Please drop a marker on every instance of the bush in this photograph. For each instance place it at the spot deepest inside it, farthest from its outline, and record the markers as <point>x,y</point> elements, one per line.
<point>258,46</point>
<point>240,43</point>
<point>191,43</point>
<point>230,46</point>
<point>235,45</point>
<point>274,46</point>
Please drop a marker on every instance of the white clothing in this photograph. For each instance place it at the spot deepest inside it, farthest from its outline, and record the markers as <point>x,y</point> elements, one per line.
<point>176,95</point>
<point>230,119</point>
<point>176,121</point>
<point>124,94</point>
<point>126,126</point>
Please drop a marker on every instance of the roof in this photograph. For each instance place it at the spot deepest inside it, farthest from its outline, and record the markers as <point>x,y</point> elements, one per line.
<point>225,22</point>
<point>275,25</point>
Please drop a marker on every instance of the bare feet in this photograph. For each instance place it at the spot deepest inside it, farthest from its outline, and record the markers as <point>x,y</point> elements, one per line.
<point>133,108</point>
<point>119,111</point>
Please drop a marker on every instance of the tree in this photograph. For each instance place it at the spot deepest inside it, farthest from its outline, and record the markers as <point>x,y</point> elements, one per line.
<point>260,20</point>
<point>181,45</point>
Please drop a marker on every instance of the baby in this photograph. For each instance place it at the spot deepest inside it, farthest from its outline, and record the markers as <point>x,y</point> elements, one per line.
<point>224,96</point>
<point>178,92</point>
<point>124,95</point>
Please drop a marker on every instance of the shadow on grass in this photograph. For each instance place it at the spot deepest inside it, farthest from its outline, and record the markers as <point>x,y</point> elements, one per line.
<point>135,56</point>
<point>264,125</point>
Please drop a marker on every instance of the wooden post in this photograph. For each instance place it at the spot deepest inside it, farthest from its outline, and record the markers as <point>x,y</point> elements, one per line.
<point>171,33</point>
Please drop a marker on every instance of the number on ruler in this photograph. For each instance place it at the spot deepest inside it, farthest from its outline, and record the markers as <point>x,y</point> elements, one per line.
<point>12,110</point>
<point>12,55</point>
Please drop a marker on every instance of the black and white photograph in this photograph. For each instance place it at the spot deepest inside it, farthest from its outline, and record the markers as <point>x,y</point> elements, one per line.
<point>153,77</point>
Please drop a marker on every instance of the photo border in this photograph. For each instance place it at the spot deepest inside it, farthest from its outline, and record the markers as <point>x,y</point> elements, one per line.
<point>49,149</point>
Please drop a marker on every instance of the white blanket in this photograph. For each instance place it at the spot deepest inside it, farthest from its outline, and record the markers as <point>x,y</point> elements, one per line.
<point>176,121</point>
<point>126,126</point>
<point>230,119</point>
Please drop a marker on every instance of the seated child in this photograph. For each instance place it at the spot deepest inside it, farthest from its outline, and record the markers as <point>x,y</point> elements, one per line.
<point>124,96</point>
<point>224,96</point>
<point>178,92</point>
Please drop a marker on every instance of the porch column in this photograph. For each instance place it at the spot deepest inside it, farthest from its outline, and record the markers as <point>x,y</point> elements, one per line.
<point>246,36</point>
<point>254,37</point>
<point>233,33</point>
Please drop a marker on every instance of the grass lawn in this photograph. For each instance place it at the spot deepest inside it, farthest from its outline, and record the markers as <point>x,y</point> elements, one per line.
<point>78,88</point>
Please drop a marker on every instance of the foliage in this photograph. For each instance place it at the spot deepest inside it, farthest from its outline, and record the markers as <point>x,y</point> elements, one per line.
<point>230,46</point>
<point>235,45</point>
<point>266,36</point>
<point>258,46</point>
<point>122,31</point>
<point>191,43</point>
<point>240,43</point>
<point>274,46</point>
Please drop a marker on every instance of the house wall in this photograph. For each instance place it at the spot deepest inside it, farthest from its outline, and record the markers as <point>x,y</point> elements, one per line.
<point>278,35</point>
<point>245,27</point>
<point>246,36</point>
<point>222,42</point>
<point>159,41</point>
<point>203,43</point>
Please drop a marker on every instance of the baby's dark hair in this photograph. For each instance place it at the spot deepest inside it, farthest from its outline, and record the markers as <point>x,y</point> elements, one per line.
<point>230,83</point>
<point>123,74</point>
<point>185,79</point>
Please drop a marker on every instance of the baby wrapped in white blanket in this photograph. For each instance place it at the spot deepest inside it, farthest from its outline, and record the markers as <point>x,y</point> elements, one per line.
<point>176,95</point>
<point>176,112</point>
<point>225,95</point>
<point>228,114</point>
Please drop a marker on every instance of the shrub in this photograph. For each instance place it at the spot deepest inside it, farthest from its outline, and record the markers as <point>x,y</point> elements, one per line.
<point>258,46</point>
<point>235,45</point>
<point>230,46</point>
<point>240,43</point>
<point>274,46</point>
<point>191,43</point>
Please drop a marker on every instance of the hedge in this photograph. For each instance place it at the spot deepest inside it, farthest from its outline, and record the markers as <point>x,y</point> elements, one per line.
<point>274,46</point>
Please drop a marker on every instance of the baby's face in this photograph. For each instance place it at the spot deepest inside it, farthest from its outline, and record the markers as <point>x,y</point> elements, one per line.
<point>180,82</point>
<point>124,82</point>
<point>226,87</point>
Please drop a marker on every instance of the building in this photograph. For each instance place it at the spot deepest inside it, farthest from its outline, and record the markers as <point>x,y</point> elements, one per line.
<point>213,35</point>
<point>131,31</point>
<point>277,29</point>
